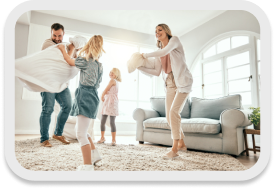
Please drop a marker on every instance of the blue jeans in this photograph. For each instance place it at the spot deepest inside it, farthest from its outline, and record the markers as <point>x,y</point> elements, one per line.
<point>48,100</point>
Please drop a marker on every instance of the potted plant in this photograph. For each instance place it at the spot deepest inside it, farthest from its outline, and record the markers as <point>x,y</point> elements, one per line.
<point>255,117</point>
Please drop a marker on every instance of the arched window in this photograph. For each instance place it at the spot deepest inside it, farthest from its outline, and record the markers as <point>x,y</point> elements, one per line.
<point>229,64</point>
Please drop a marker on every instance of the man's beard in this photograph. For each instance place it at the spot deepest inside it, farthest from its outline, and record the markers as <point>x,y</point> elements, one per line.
<point>56,41</point>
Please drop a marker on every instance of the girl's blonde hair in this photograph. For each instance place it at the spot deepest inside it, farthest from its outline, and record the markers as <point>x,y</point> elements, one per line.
<point>167,31</point>
<point>117,73</point>
<point>93,49</point>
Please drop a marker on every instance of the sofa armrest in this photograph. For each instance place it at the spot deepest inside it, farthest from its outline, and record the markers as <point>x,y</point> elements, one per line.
<point>143,114</point>
<point>233,121</point>
<point>235,118</point>
<point>140,115</point>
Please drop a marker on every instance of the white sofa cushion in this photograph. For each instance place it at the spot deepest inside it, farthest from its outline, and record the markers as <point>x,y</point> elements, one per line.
<point>194,125</point>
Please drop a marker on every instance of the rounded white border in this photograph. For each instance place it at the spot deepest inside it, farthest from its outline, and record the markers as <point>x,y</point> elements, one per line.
<point>137,176</point>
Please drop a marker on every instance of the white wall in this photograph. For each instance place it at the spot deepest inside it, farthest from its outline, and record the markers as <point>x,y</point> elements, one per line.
<point>26,112</point>
<point>91,28</point>
<point>233,20</point>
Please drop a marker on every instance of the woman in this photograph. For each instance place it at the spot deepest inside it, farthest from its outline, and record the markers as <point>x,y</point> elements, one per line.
<point>170,59</point>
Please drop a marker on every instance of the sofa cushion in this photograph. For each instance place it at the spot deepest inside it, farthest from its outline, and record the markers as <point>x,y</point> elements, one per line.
<point>212,108</point>
<point>196,125</point>
<point>156,122</point>
<point>201,125</point>
<point>158,104</point>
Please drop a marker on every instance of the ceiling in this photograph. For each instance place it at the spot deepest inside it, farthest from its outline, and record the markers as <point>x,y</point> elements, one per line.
<point>144,21</point>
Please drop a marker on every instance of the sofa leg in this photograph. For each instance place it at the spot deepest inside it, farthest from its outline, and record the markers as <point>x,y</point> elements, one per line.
<point>141,142</point>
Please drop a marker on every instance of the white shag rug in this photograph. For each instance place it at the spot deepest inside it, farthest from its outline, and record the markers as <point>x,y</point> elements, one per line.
<point>61,157</point>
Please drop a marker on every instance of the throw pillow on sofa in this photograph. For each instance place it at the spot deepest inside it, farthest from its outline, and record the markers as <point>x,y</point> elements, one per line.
<point>158,104</point>
<point>212,108</point>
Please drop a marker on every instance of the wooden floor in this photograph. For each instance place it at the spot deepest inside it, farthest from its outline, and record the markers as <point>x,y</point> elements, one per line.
<point>247,161</point>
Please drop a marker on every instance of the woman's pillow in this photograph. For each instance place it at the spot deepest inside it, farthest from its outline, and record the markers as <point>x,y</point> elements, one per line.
<point>138,60</point>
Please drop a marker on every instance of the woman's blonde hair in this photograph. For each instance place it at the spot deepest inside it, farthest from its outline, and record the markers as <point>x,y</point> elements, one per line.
<point>117,73</point>
<point>93,49</point>
<point>167,31</point>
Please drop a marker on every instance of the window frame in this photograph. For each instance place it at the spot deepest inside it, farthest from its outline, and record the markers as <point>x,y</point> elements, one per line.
<point>251,47</point>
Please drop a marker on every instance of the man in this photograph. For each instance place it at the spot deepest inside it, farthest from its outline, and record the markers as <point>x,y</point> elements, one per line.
<point>48,99</point>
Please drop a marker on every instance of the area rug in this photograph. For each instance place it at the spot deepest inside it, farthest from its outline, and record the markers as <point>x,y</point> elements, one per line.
<point>61,157</point>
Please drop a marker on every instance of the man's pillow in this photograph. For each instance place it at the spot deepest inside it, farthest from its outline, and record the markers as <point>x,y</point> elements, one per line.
<point>45,71</point>
<point>78,41</point>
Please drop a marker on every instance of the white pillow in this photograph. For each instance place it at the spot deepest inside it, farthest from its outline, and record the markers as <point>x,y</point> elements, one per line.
<point>78,41</point>
<point>45,71</point>
<point>138,60</point>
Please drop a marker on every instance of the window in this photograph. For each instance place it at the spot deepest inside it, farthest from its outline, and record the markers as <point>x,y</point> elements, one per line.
<point>197,86</point>
<point>259,65</point>
<point>227,68</point>
<point>238,72</point>
<point>212,77</point>
<point>135,89</point>
<point>226,45</point>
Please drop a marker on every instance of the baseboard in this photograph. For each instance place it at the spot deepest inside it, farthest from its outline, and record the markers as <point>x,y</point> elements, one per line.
<point>118,133</point>
<point>27,132</point>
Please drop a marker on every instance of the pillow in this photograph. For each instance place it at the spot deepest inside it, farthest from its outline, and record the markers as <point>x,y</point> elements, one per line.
<point>158,104</point>
<point>138,60</point>
<point>45,71</point>
<point>212,108</point>
<point>78,41</point>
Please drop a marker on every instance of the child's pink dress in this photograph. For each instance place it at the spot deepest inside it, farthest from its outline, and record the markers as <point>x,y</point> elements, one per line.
<point>110,104</point>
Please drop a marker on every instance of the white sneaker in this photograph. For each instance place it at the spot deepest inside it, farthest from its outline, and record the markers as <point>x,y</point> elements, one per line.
<point>96,157</point>
<point>79,168</point>
<point>85,168</point>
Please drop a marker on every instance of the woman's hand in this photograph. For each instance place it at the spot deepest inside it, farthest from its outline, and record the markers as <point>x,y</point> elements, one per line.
<point>102,98</point>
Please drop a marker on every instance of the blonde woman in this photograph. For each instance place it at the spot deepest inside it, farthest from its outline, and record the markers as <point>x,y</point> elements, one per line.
<point>85,105</point>
<point>110,104</point>
<point>170,60</point>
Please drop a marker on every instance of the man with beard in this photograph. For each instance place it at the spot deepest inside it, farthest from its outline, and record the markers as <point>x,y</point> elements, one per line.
<point>48,99</point>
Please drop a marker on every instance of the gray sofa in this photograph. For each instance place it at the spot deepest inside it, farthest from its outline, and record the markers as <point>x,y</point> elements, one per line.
<point>214,125</point>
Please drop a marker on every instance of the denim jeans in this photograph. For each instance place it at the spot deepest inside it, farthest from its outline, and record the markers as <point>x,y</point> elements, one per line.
<point>48,101</point>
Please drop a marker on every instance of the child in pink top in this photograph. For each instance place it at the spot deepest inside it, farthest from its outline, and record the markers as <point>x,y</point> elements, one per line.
<point>110,105</point>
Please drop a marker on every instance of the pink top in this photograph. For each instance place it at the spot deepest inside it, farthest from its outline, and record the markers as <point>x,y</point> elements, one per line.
<point>166,63</point>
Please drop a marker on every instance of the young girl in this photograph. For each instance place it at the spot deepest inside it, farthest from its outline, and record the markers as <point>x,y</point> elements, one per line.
<point>110,105</point>
<point>86,101</point>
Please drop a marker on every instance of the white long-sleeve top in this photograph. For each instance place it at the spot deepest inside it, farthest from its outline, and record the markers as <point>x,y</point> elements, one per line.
<point>182,75</point>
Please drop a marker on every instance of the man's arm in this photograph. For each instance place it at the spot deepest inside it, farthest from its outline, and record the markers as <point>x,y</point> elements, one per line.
<point>47,43</point>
